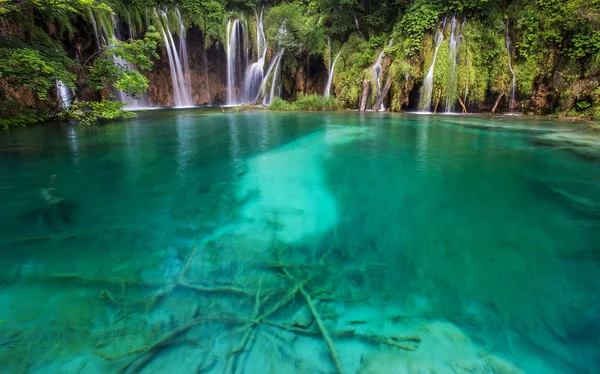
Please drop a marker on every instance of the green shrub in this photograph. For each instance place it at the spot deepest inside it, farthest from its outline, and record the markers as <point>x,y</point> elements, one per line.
<point>90,112</point>
<point>316,102</point>
<point>305,102</point>
<point>279,104</point>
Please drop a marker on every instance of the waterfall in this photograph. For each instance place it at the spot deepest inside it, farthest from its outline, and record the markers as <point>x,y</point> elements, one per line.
<point>274,72</point>
<point>451,87</point>
<point>64,95</point>
<point>132,103</point>
<point>95,26</point>
<point>255,73</point>
<point>514,80</point>
<point>235,41</point>
<point>377,70</point>
<point>331,68</point>
<point>180,79</point>
<point>427,90</point>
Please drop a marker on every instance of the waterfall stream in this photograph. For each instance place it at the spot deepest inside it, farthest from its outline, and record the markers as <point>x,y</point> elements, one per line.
<point>274,71</point>
<point>255,73</point>
<point>514,80</point>
<point>132,103</point>
<point>331,69</point>
<point>235,35</point>
<point>427,89</point>
<point>452,48</point>
<point>182,95</point>
<point>64,95</point>
<point>377,70</point>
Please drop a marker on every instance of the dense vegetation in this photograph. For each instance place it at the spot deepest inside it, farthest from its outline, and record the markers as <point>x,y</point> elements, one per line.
<point>554,51</point>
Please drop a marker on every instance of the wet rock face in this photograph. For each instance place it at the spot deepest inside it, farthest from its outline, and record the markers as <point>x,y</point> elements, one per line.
<point>207,74</point>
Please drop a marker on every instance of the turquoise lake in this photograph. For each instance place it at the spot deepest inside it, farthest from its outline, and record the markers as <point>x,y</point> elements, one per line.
<point>199,241</point>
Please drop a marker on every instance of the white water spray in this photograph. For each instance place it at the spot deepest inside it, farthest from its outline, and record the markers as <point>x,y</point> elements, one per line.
<point>64,95</point>
<point>255,73</point>
<point>377,70</point>
<point>331,69</point>
<point>427,89</point>
<point>179,77</point>
<point>514,80</point>
<point>234,44</point>
<point>132,103</point>
<point>452,49</point>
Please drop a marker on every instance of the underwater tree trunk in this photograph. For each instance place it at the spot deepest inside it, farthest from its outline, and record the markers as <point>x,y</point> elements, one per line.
<point>386,88</point>
<point>366,88</point>
<point>497,102</point>
<point>464,108</point>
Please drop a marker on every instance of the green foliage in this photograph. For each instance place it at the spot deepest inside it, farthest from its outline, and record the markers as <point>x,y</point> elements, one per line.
<point>22,118</point>
<point>305,102</point>
<point>278,104</point>
<point>91,112</point>
<point>107,71</point>
<point>208,15</point>
<point>289,26</point>
<point>421,17</point>
<point>351,68</point>
<point>31,68</point>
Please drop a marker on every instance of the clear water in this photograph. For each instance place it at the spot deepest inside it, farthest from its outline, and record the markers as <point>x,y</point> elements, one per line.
<point>461,231</point>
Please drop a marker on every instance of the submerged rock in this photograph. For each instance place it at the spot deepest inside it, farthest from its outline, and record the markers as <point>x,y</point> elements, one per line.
<point>583,143</point>
<point>444,348</point>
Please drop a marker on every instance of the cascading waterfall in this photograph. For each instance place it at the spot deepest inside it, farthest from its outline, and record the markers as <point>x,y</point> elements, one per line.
<point>235,41</point>
<point>274,72</point>
<point>64,95</point>
<point>452,49</point>
<point>132,103</point>
<point>514,80</point>
<point>183,47</point>
<point>427,89</point>
<point>377,70</point>
<point>182,93</point>
<point>95,26</point>
<point>331,69</point>
<point>255,73</point>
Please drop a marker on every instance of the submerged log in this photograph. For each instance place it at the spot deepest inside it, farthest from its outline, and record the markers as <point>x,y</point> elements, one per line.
<point>497,102</point>
<point>366,89</point>
<point>386,88</point>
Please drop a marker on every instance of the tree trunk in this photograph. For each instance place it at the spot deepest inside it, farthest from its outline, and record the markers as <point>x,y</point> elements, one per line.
<point>386,88</point>
<point>437,102</point>
<point>306,76</point>
<point>464,108</point>
<point>497,102</point>
<point>366,88</point>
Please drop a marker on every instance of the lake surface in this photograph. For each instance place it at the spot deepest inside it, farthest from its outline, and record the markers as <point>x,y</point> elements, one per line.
<point>195,241</point>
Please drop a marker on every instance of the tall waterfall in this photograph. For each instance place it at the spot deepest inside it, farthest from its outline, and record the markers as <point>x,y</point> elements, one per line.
<point>377,70</point>
<point>64,95</point>
<point>269,91</point>
<point>235,42</point>
<point>178,61</point>
<point>331,69</point>
<point>452,47</point>
<point>95,26</point>
<point>255,72</point>
<point>514,80</point>
<point>132,103</point>
<point>427,89</point>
